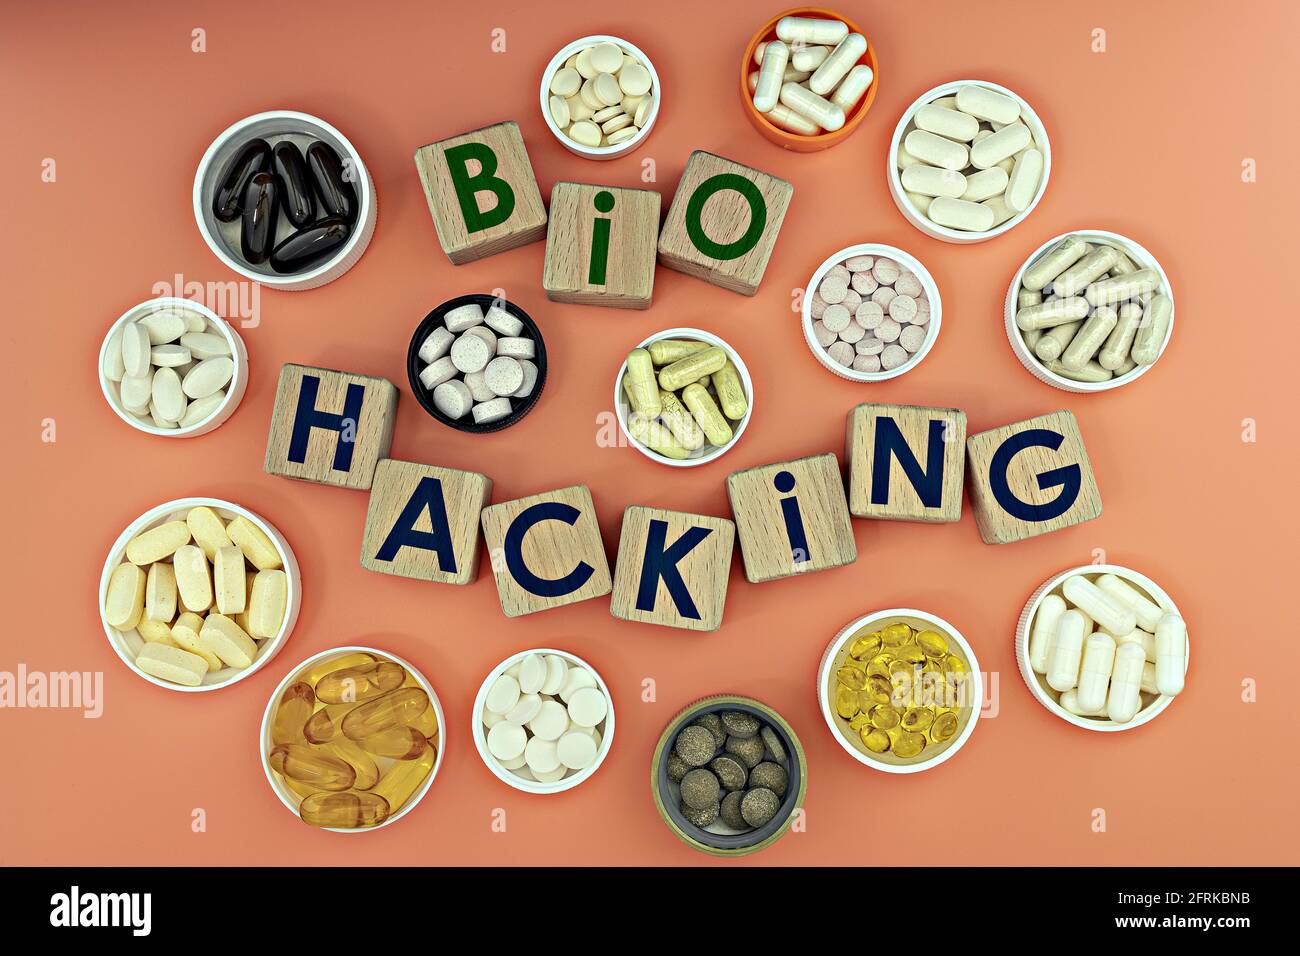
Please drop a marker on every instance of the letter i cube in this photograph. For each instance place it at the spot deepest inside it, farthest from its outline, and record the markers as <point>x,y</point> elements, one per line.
<point>600,245</point>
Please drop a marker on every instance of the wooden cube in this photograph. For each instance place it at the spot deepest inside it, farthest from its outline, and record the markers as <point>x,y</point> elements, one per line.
<point>672,568</point>
<point>906,462</point>
<point>723,222</point>
<point>546,551</point>
<point>1031,478</point>
<point>600,245</point>
<point>330,427</point>
<point>481,192</point>
<point>792,518</point>
<point>423,522</point>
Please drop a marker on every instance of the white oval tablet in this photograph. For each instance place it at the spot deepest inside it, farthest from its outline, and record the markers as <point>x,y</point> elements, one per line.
<point>136,392</point>
<point>169,356</point>
<point>525,709</point>
<point>135,349</point>
<point>205,345</point>
<point>556,669</point>
<point>551,721</point>
<point>587,707</point>
<point>208,376</point>
<point>532,673</point>
<point>167,395</point>
<point>576,750</point>
<point>541,755</point>
<point>502,695</point>
<point>506,741</point>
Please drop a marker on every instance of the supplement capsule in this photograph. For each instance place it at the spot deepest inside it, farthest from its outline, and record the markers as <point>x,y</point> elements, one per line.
<point>1003,144</point>
<point>937,151</point>
<point>846,701</point>
<point>1022,184</point>
<point>960,214</point>
<point>775,57</point>
<point>1096,328</point>
<point>640,380</point>
<point>401,706</point>
<point>308,765</point>
<point>707,413</point>
<point>877,741</point>
<point>687,370</point>
<point>1070,701</point>
<point>949,123</point>
<point>296,196</point>
<point>986,104</point>
<point>337,196</point>
<point>404,777</point>
<point>932,644</point>
<point>680,421</point>
<point>731,391</point>
<point>944,727</point>
<point>1091,372</point>
<point>1148,613</point>
<point>792,122</point>
<point>354,685</point>
<point>321,727</point>
<point>362,764</point>
<point>852,87</point>
<point>908,744</point>
<point>1094,672</point>
<point>866,647</point>
<point>1110,614</point>
<point>295,709</point>
<point>667,351</point>
<point>320,669</point>
<point>811,30</point>
<point>1115,351</point>
<point>1059,258</point>
<point>816,108</point>
<point>309,245</point>
<point>1053,341</point>
<point>1141,637</point>
<point>1043,633</point>
<point>1048,314</point>
<point>399,743</point>
<point>344,811</point>
<point>1110,291</point>
<point>852,676</point>
<point>1171,654</point>
<point>1125,684</point>
<point>656,437</point>
<point>228,198</point>
<point>1151,333</point>
<point>1067,651</point>
<point>837,65</point>
<point>261,213</point>
<point>933,181</point>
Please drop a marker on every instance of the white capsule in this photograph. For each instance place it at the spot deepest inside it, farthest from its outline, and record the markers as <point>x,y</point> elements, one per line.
<point>1151,333</point>
<point>768,90</point>
<point>1125,684</point>
<point>1147,611</point>
<point>960,214</point>
<point>836,66</point>
<point>984,184</point>
<point>933,181</point>
<point>1067,651</point>
<point>811,30</point>
<point>807,103</point>
<point>1023,182</point>
<point>1110,614</point>
<point>944,122</point>
<point>1003,144</point>
<point>1171,654</point>
<point>987,104</point>
<point>1094,672</point>
<point>937,151</point>
<point>1070,701</point>
<point>1146,640</point>
<point>852,87</point>
<point>792,122</point>
<point>1044,631</point>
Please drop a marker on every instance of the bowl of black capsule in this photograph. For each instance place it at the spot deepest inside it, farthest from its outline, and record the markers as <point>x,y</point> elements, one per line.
<point>465,402</point>
<point>283,199</point>
<point>729,776</point>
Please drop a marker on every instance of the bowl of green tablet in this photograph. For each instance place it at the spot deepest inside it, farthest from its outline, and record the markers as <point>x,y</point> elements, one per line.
<point>728,775</point>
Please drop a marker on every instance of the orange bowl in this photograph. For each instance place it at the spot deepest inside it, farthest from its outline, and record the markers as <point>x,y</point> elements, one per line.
<point>793,141</point>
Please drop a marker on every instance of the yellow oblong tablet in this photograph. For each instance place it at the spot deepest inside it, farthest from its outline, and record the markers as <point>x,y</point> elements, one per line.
<point>640,383</point>
<point>226,639</point>
<point>185,632</point>
<point>691,368</point>
<point>173,664</point>
<point>157,543</point>
<point>193,578</point>
<point>124,601</point>
<point>208,530</point>
<point>260,550</point>
<point>229,586</point>
<point>266,603</point>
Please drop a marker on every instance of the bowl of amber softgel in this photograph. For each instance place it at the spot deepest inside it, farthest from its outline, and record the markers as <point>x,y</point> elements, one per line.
<point>900,690</point>
<point>351,739</point>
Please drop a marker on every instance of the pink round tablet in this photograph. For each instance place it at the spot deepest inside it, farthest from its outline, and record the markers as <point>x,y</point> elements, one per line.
<point>908,284</point>
<point>823,335</point>
<point>859,263</point>
<point>852,333</point>
<point>870,346</point>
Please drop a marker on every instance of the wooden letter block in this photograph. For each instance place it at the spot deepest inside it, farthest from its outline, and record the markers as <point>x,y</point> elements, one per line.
<point>423,522</point>
<point>723,222</point>
<point>1031,478</point>
<point>672,568</point>
<point>481,192</point>
<point>546,551</point>
<point>792,518</point>
<point>600,245</point>
<point>330,427</point>
<point>906,462</point>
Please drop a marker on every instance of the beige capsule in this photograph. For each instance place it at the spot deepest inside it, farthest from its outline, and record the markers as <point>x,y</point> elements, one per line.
<point>707,413</point>
<point>1053,341</point>
<point>1057,259</point>
<point>1087,270</point>
<point>1090,338</point>
<point>681,422</point>
<point>1151,334</point>
<point>1056,312</point>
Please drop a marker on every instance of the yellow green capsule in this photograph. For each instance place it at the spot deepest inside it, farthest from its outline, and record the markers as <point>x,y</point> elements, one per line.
<point>944,726</point>
<point>877,691</point>
<point>402,706</point>
<point>707,413</point>
<point>878,666</point>
<point>908,744</point>
<point>344,811</point>
<point>310,766</point>
<point>685,371</point>
<point>656,436</point>
<point>681,422</point>
<point>643,394</point>
<point>952,664</point>
<point>731,391</point>
<point>884,716</point>
<point>932,643</point>
<point>296,705</point>
<point>917,719</point>
<point>896,634</point>
<point>846,701</point>
<point>361,683</point>
<point>851,676</point>
<point>877,741</point>
<point>667,351</point>
<point>866,647</point>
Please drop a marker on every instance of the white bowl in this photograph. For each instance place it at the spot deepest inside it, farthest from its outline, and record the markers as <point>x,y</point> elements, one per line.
<point>290,799</point>
<point>916,619</point>
<point>1037,683</point>
<point>234,389</point>
<point>599,152</point>
<point>914,216</point>
<point>1141,258</point>
<point>708,452</point>
<point>223,238</point>
<point>888,252</point>
<point>606,727</point>
<point>128,643</point>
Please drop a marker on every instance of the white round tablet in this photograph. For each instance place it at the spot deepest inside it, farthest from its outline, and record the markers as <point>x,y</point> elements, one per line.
<point>554,775</point>
<point>516,763</point>
<point>556,668</point>
<point>524,710</point>
<point>576,679</point>
<point>453,398</point>
<point>532,673</point>
<point>506,741</point>
<point>542,755</point>
<point>551,720</point>
<point>576,750</point>
<point>587,707</point>
<point>470,353</point>
<point>502,695</point>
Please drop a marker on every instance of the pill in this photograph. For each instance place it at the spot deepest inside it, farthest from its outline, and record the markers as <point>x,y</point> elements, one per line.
<point>185,633</point>
<point>257,547</point>
<point>172,664</point>
<point>811,30</point>
<point>948,123</point>
<point>440,371</point>
<point>987,104</point>
<point>1070,701</point>
<point>1171,654</point>
<point>1055,339</point>
<point>1125,684</point>
<point>1151,333</point>
<point>1110,291</point>
<point>470,353</point>
<point>679,420</point>
<point>730,389</point>
<point>556,670</point>
<point>401,706</point>
<point>124,599</point>
<point>892,357</point>
<point>791,121</point>
<point>159,592</point>
<point>309,765</point>
<point>228,582</point>
<point>267,601</point>
<point>837,65</point>
<point>936,150</point>
<point>1043,633</point>
<point>1003,144</point>
<point>1095,670</point>
<point>1089,372</point>
<point>1148,613</point>
<point>606,88</point>
<point>487,413</point>
<point>1052,313</point>
<point>227,640</point>
<point>771,70</point>
<point>436,344</point>
<point>519,348</point>
<point>551,722</point>
<point>169,356</point>
<point>193,578</point>
<point>135,350</point>
<point>658,438</point>
<point>808,57</point>
<point>292,713</point>
<point>960,214</point>
<point>1115,350</point>
<point>588,707</point>
<point>453,398</point>
<point>525,709</point>
<point>396,743</point>
<point>207,377</point>
<point>359,682</point>
<point>205,345</point>
<point>1067,651</point>
<point>690,368</point>
<point>812,106</point>
<point>1115,616</point>
<point>252,157</point>
<point>1089,339</point>
<point>1056,261</point>
<point>982,185</point>
<point>344,811</point>
<point>1023,182</point>
<point>577,751</point>
<point>933,181</point>
<point>502,695</point>
<point>462,318</point>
